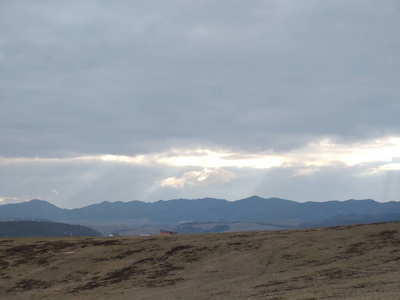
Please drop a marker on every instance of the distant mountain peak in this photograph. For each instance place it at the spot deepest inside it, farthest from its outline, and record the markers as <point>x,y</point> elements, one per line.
<point>38,202</point>
<point>255,197</point>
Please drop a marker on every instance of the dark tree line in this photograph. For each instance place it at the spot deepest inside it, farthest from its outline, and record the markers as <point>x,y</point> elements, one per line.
<point>40,228</point>
<point>352,219</point>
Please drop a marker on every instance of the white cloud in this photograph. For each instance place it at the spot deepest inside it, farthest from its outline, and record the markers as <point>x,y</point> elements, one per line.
<point>9,200</point>
<point>385,168</point>
<point>205,177</point>
<point>311,156</point>
<point>305,171</point>
<point>109,177</point>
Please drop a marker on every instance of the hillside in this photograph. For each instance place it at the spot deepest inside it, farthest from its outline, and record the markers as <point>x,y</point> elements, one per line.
<point>347,262</point>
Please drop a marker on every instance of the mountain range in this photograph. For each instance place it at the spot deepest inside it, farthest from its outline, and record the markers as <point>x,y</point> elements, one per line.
<point>252,209</point>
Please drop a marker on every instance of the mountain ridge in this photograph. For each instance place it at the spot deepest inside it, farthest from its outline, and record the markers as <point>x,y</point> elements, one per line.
<point>251,209</point>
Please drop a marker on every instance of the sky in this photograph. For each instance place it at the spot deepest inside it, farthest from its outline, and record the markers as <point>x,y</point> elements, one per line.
<point>150,100</point>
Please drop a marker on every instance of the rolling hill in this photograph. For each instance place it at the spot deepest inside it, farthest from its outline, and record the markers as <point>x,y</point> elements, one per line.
<point>346,262</point>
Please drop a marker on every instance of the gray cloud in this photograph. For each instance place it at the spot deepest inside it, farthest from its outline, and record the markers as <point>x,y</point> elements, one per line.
<point>122,78</point>
<point>132,77</point>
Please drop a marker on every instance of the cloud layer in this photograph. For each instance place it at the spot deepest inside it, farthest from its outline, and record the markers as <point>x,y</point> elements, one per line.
<point>129,91</point>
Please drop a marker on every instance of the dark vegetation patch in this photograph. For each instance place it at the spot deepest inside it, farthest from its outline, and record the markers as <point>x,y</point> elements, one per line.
<point>396,259</point>
<point>270,283</point>
<point>309,263</point>
<point>131,252</point>
<point>339,273</point>
<point>20,262</point>
<point>43,252</point>
<point>151,239</point>
<point>155,248</point>
<point>82,272</point>
<point>328,261</point>
<point>4,264</point>
<point>35,254</point>
<point>243,245</point>
<point>55,246</point>
<point>243,235</point>
<point>150,272</point>
<point>163,283</point>
<point>374,241</point>
<point>163,270</point>
<point>235,244</point>
<point>23,250</point>
<point>276,286</point>
<point>3,241</point>
<point>387,236</point>
<point>75,276</point>
<point>177,249</point>
<point>122,274</point>
<point>305,278</point>
<point>356,249</point>
<point>100,259</point>
<point>187,253</point>
<point>120,256</point>
<point>222,293</point>
<point>342,227</point>
<point>42,261</point>
<point>323,262</point>
<point>363,285</point>
<point>190,256</point>
<point>291,256</point>
<point>106,243</point>
<point>30,284</point>
<point>87,286</point>
<point>128,253</point>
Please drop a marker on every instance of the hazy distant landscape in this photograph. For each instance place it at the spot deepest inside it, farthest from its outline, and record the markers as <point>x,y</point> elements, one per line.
<point>205,215</point>
<point>224,250</point>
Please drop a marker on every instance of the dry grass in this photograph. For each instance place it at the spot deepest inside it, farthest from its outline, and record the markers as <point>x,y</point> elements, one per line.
<point>349,262</point>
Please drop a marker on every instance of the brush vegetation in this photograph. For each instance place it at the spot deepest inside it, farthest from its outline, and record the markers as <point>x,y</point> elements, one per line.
<point>345,262</point>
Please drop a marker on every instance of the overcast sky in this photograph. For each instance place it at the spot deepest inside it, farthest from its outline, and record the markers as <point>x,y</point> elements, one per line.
<point>149,100</point>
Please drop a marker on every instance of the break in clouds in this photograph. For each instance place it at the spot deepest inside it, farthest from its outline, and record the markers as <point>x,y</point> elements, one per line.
<point>157,100</point>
